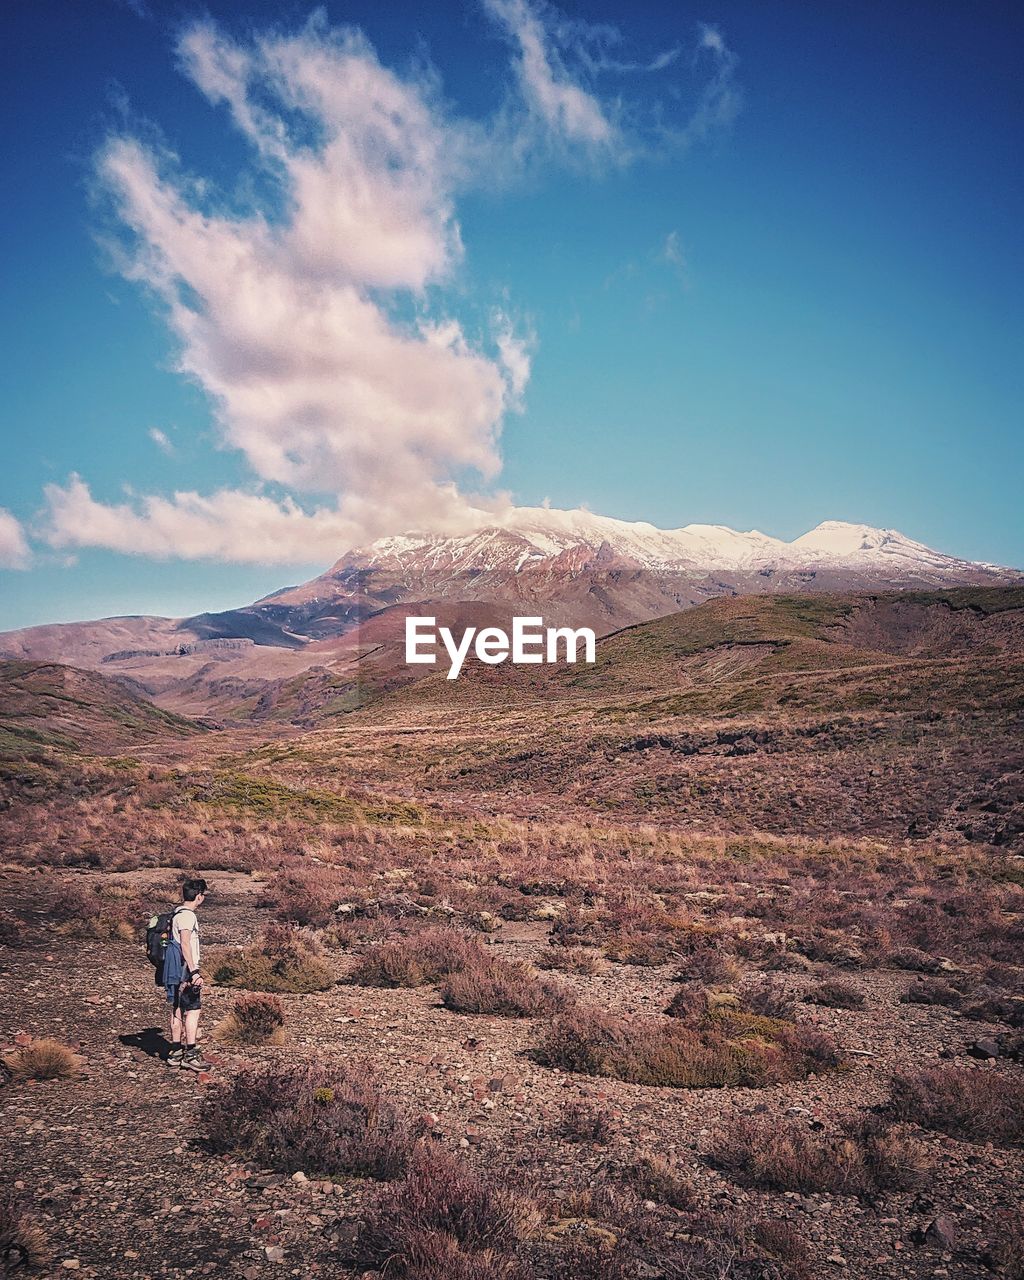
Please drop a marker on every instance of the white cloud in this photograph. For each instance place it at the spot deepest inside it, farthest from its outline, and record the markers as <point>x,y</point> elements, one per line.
<point>721,98</point>
<point>549,91</point>
<point>227,525</point>
<point>161,440</point>
<point>672,251</point>
<point>14,552</point>
<point>244,528</point>
<point>281,321</point>
<point>312,316</point>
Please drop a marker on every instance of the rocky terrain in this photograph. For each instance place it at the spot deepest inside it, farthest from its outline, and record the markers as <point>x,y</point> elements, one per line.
<point>705,961</point>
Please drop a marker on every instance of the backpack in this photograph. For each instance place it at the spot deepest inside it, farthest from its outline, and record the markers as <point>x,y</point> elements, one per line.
<point>160,947</point>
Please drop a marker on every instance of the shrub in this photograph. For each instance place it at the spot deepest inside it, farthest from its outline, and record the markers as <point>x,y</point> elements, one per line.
<point>912,959</point>
<point>255,1019</point>
<point>83,912</point>
<point>444,1221</point>
<point>654,1178</point>
<point>667,1052</point>
<point>645,949</point>
<point>1007,1246</point>
<point>315,1117</point>
<point>576,927</point>
<point>688,1003</point>
<point>717,1246</point>
<point>836,994</point>
<point>282,960</point>
<point>22,1240</point>
<point>572,960</point>
<point>305,897</point>
<point>13,932</point>
<point>582,1123</point>
<point>726,1014</point>
<point>509,989</point>
<point>1007,1009</point>
<point>865,1159</point>
<point>427,956</point>
<point>44,1060</point>
<point>932,991</point>
<point>963,1102</point>
<point>710,966</point>
<point>783,1244</point>
<point>769,998</point>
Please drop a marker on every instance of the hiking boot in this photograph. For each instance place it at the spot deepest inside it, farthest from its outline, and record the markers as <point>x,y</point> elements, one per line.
<point>174,1058</point>
<point>192,1059</point>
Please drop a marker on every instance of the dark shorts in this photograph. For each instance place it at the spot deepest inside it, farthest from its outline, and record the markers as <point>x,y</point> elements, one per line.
<point>184,999</point>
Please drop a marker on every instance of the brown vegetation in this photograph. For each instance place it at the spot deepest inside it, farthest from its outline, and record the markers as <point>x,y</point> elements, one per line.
<point>282,960</point>
<point>44,1060</point>
<point>964,1102</point>
<point>864,1160</point>
<point>730,1050</point>
<point>254,1019</point>
<point>445,1220</point>
<point>316,1117</point>
<point>23,1244</point>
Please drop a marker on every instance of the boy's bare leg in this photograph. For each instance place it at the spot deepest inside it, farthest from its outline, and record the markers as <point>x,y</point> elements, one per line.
<point>191,1026</point>
<point>174,1056</point>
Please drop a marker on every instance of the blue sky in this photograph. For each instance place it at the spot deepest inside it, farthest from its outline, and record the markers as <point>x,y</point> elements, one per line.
<point>749,264</point>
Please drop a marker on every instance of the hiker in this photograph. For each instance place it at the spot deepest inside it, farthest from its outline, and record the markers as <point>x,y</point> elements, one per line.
<point>181,978</point>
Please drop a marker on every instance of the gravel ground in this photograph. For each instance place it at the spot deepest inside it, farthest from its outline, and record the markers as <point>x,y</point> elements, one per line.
<point>115,1166</point>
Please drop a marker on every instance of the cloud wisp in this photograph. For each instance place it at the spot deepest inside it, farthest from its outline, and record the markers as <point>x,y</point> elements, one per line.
<point>14,549</point>
<point>318,320</point>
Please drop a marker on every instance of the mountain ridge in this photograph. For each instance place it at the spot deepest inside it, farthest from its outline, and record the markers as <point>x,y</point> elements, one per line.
<point>570,567</point>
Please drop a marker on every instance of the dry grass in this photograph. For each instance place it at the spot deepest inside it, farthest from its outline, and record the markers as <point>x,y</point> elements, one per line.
<point>865,1160</point>
<point>23,1244</point>
<point>315,1117</point>
<point>88,912</point>
<point>1006,1250</point>
<point>963,1102</point>
<point>576,960</point>
<point>711,967</point>
<point>255,1020</point>
<point>836,994</point>
<point>580,1122</point>
<point>426,956</point>
<point>655,1178</point>
<point>284,960</point>
<point>504,988</point>
<point>667,1052</point>
<point>44,1060</point>
<point>445,1221</point>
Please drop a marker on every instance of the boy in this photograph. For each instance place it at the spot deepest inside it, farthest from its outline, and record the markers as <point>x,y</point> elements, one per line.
<point>185,997</point>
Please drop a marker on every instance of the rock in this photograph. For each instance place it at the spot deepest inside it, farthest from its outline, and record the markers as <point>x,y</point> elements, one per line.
<point>274,1253</point>
<point>299,1177</point>
<point>941,1233</point>
<point>71,1264</point>
<point>985,1048</point>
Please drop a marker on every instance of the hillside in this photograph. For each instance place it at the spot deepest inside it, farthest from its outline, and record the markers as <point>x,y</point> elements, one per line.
<point>570,567</point>
<point>44,704</point>
<point>894,714</point>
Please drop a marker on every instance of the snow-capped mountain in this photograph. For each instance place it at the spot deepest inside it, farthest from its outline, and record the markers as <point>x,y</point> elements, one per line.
<point>570,567</point>
<point>533,534</point>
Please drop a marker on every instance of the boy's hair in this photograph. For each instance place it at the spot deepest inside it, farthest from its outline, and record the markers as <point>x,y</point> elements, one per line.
<point>191,889</point>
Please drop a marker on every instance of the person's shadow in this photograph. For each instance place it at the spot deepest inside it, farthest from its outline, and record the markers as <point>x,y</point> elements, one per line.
<point>152,1042</point>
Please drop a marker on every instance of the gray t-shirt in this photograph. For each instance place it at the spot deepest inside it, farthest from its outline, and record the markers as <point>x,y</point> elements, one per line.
<point>185,920</point>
